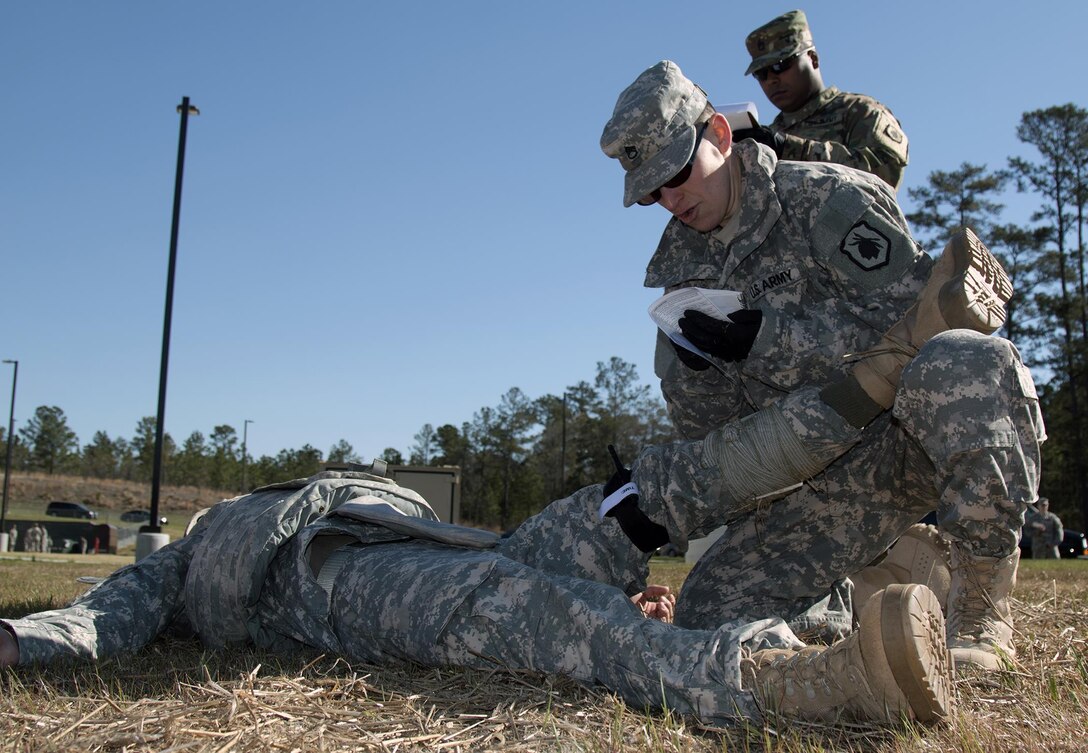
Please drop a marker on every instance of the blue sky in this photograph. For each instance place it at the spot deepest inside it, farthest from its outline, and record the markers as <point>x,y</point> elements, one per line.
<point>394,212</point>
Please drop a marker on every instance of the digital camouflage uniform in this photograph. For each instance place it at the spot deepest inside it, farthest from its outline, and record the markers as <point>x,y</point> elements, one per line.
<point>395,583</point>
<point>824,253</point>
<point>1046,534</point>
<point>847,129</point>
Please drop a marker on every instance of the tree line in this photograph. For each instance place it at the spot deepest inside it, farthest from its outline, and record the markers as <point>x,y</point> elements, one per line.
<point>47,444</point>
<point>523,452</point>
<point>514,457</point>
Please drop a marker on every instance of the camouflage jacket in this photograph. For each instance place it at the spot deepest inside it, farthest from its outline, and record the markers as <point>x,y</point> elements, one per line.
<point>823,251</point>
<point>847,129</point>
<point>211,580</point>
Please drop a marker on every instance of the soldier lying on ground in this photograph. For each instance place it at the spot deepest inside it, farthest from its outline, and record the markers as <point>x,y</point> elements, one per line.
<point>353,564</point>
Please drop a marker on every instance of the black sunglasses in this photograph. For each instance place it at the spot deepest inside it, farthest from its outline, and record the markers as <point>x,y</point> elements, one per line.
<point>677,180</point>
<point>776,68</point>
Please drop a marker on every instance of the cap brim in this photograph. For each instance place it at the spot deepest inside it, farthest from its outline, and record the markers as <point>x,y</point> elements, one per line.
<point>774,57</point>
<point>653,173</point>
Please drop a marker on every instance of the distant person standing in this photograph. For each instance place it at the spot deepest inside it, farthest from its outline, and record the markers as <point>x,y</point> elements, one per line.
<point>818,123</point>
<point>1046,532</point>
<point>32,540</point>
<point>13,537</point>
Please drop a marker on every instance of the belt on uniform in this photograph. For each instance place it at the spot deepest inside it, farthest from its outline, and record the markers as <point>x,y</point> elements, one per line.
<point>330,570</point>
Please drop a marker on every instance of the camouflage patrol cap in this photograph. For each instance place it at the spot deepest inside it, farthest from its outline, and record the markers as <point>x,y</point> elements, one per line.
<point>652,130</point>
<point>776,40</point>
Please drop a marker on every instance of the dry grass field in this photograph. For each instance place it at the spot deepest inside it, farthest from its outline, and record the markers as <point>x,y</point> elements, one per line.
<point>175,696</point>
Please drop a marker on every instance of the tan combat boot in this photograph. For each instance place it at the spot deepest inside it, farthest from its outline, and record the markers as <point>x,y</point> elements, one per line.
<point>920,555</point>
<point>967,289</point>
<point>979,613</point>
<point>895,666</point>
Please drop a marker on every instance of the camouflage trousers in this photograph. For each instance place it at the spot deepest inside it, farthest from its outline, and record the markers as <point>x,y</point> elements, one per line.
<point>440,605</point>
<point>963,439</point>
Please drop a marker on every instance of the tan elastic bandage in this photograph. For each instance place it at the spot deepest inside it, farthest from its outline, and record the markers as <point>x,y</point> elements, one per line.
<point>760,455</point>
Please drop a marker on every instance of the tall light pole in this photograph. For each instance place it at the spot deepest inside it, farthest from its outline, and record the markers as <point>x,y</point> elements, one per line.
<point>156,474</point>
<point>245,436</point>
<point>563,449</point>
<point>11,445</point>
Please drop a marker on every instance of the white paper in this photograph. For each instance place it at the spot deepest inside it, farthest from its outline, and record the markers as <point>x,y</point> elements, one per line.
<point>667,310</point>
<point>740,114</point>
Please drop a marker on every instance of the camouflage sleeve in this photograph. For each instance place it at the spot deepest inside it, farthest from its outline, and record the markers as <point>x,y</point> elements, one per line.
<point>697,401</point>
<point>866,272</point>
<point>122,613</point>
<point>873,142</point>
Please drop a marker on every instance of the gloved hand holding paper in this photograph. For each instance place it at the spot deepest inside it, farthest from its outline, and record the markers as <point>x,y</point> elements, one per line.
<point>667,310</point>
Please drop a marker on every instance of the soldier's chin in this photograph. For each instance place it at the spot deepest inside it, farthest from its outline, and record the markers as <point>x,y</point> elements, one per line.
<point>698,221</point>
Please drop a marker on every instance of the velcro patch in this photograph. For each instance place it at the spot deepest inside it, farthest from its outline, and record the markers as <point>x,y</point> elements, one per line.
<point>1027,384</point>
<point>866,246</point>
<point>760,288</point>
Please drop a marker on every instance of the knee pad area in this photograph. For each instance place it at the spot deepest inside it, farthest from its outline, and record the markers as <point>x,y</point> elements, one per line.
<point>965,391</point>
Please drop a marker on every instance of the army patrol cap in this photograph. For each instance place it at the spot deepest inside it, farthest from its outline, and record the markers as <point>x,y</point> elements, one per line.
<point>777,40</point>
<point>652,130</point>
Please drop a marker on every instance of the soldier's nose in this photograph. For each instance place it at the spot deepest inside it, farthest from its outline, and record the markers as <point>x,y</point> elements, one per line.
<point>670,199</point>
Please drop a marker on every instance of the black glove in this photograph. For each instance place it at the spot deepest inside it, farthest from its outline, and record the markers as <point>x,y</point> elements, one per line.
<point>643,532</point>
<point>693,361</point>
<point>763,135</point>
<point>730,339</point>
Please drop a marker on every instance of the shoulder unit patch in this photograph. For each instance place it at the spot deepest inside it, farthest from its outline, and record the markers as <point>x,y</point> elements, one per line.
<point>866,246</point>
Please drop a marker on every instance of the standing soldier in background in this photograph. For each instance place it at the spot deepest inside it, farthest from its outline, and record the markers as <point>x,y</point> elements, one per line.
<point>818,123</point>
<point>32,541</point>
<point>1046,531</point>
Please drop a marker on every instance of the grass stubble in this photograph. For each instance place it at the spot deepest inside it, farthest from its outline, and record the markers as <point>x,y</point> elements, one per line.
<point>176,696</point>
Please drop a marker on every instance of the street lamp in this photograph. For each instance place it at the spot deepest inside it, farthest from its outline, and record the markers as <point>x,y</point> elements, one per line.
<point>245,435</point>
<point>156,474</point>
<point>563,449</point>
<point>11,445</point>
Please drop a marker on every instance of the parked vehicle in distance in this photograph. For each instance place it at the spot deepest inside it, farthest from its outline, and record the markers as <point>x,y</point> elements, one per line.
<point>70,510</point>
<point>1074,544</point>
<point>140,516</point>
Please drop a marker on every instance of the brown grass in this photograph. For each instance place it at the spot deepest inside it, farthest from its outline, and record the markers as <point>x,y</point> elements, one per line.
<point>174,696</point>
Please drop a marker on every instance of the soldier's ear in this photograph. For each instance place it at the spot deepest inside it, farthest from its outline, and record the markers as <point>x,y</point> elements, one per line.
<point>721,133</point>
<point>815,57</point>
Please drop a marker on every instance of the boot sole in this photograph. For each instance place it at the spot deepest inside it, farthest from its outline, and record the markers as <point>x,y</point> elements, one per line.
<point>975,298</point>
<point>913,634</point>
